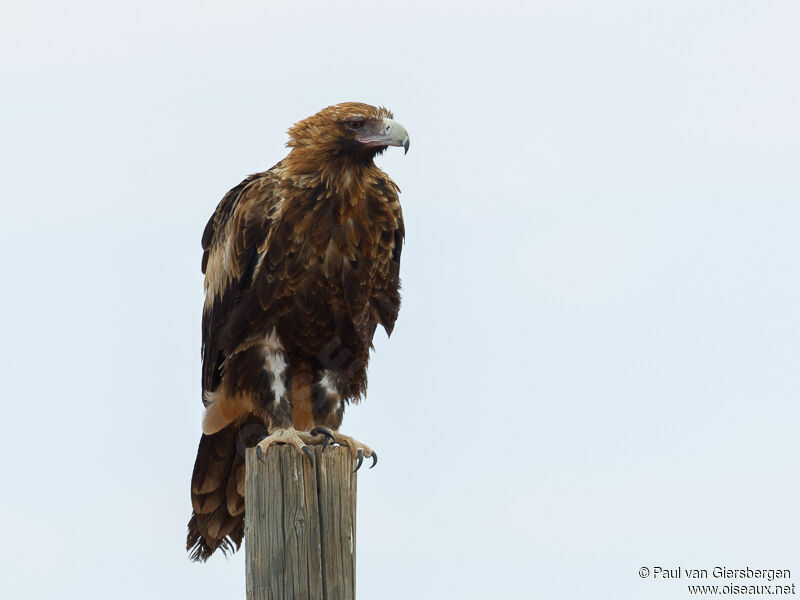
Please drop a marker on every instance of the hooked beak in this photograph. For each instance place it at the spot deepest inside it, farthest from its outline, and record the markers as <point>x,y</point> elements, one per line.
<point>392,134</point>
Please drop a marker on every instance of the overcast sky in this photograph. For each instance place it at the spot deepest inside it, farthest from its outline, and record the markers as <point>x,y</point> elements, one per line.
<point>595,366</point>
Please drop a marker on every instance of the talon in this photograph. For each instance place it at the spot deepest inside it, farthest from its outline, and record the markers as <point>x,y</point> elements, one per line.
<point>360,459</point>
<point>328,435</point>
<point>374,459</point>
<point>308,453</point>
<point>259,454</point>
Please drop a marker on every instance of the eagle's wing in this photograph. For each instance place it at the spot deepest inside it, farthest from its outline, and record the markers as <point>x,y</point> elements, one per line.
<point>235,242</point>
<point>230,254</point>
<point>386,297</point>
<point>237,245</point>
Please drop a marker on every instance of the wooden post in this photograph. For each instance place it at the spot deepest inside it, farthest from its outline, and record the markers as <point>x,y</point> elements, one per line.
<point>300,525</point>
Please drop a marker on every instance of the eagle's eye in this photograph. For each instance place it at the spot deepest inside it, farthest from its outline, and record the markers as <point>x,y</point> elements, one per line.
<point>354,125</point>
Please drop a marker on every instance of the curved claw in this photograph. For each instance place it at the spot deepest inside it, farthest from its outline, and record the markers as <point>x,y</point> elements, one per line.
<point>374,459</point>
<point>360,459</point>
<point>259,454</point>
<point>308,453</point>
<point>328,436</point>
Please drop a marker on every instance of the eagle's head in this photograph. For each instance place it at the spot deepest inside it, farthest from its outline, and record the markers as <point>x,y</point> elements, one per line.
<point>351,129</point>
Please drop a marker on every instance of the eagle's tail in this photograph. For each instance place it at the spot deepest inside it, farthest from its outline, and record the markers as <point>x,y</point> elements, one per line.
<point>218,492</point>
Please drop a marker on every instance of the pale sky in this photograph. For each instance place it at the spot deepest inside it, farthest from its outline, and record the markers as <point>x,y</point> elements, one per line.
<point>595,366</point>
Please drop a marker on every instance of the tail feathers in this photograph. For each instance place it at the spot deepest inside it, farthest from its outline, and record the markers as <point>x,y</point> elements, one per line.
<point>213,462</point>
<point>215,489</point>
<point>234,493</point>
<point>218,489</point>
<point>227,534</point>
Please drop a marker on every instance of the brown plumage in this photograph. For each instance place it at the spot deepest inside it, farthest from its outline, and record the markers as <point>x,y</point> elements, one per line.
<point>302,264</point>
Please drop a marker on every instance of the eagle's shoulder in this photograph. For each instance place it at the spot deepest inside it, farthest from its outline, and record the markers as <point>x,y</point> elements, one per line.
<point>258,190</point>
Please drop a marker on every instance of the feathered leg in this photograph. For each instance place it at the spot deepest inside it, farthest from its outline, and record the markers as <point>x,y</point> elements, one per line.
<point>285,400</point>
<point>327,400</point>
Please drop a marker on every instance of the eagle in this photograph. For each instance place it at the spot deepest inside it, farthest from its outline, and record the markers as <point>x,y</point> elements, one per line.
<point>301,265</point>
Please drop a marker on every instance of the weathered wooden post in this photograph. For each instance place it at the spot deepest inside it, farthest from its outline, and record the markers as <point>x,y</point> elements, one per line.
<point>300,525</point>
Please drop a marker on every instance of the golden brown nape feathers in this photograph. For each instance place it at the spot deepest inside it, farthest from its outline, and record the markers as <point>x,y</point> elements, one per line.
<point>302,264</point>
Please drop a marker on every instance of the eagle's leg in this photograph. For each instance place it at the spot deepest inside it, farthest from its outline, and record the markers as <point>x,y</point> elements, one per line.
<point>284,401</point>
<point>328,410</point>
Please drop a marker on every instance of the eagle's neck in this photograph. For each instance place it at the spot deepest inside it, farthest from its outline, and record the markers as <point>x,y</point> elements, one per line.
<point>341,178</point>
<point>312,159</point>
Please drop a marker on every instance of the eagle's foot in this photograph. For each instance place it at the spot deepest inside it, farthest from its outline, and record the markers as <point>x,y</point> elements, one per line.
<point>357,450</point>
<point>298,439</point>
